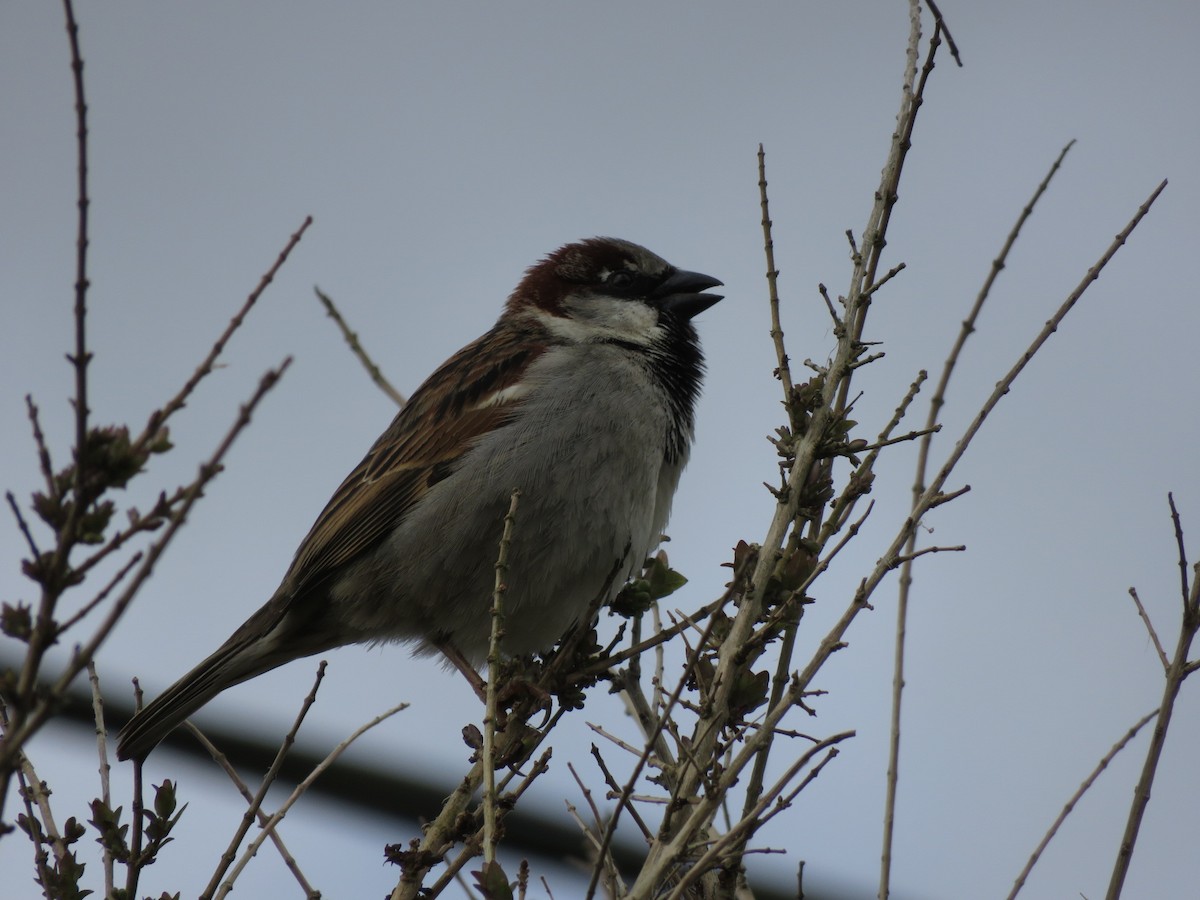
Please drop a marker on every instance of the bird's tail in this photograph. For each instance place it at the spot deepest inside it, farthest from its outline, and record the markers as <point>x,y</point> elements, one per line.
<point>266,641</point>
<point>232,664</point>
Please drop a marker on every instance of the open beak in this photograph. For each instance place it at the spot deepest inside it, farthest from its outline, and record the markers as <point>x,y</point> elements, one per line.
<point>682,293</point>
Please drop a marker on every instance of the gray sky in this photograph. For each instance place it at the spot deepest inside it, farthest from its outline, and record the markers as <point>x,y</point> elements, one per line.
<point>442,148</point>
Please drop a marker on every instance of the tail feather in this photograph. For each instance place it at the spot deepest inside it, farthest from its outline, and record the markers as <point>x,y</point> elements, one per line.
<point>231,664</point>
<point>286,628</point>
<point>268,639</point>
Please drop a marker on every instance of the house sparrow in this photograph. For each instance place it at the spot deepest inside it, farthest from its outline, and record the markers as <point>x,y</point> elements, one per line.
<point>582,395</point>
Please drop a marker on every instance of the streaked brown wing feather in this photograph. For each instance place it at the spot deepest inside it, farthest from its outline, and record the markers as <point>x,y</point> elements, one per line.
<point>441,421</point>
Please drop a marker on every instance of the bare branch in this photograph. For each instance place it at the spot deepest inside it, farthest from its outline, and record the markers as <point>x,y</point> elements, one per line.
<point>356,348</point>
<point>909,557</point>
<point>82,356</point>
<point>221,760</point>
<point>1184,591</point>
<point>239,834</point>
<point>783,369</point>
<point>39,440</point>
<point>160,416</point>
<point>615,789</point>
<point>33,791</point>
<point>490,800</point>
<point>82,654</point>
<point>753,819</point>
<point>102,752</point>
<point>888,276</point>
<point>1141,610</point>
<point>22,524</point>
<point>252,849</point>
<point>103,593</point>
<point>1075,798</point>
<point>1178,670</point>
<point>937,17</point>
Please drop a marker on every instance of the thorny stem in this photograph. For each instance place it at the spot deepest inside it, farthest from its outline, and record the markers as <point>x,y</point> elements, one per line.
<point>933,493</point>
<point>160,416</point>
<point>836,386</point>
<point>273,822</point>
<point>784,370</point>
<point>28,715</point>
<point>356,347</point>
<point>935,407</point>
<point>490,800</point>
<point>102,753</point>
<point>643,759</point>
<point>16,736</point>
<point>256,802</point>
<point>1178,671</point>
<point>43,632</point>
<point>221,760</point>
<point>1070,804</point>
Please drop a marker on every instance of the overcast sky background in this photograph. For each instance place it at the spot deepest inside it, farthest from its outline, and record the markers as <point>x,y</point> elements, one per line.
<point>442,148</point>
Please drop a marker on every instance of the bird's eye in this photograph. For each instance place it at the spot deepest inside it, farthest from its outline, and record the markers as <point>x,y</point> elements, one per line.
<point>620,279</point>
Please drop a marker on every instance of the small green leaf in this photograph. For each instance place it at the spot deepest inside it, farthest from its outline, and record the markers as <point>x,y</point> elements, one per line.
<point>164,799</point>
<point>664,580</point>
<point>16,621</point>
<point>492,881</point>
<point>749,692</point>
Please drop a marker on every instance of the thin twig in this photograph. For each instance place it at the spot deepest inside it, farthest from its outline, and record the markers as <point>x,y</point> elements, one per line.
<point>252,848</point>
<point>1176,673</point>
<point>22,525</point>
<point>588,798</point>
<point>936,403</point>
<point>615,787</point>
<point>207,472</point>
<point>81,356</point>
<point>1075,798</point>
<point>754,818</point>
<point>1162,654</point>
<point>31,788</point>
<point>490,800</point>
<point>160,416</point>
<point>783,370</point>
<point>1183,563</point>
<point>643,760</point>
<point>614,885</point>
<point>41,794</point>
<point>102,752</point>
<point>888,276</point>
<point>138,821</point>
<point>933,492</point>
<point>937,17</point>
<point>261,794</point>
<point>356,348</point>
<point>39,440</point>
<point>647,718</point>
<point>909,557</point>
<point>223,761</point>
<point>968,326</point>
<point>42,634</point>
<point>103,593</point>
<point>685,622</point>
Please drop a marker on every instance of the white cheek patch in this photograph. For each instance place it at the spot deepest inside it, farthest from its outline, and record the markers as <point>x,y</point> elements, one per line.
<point>593,319</point>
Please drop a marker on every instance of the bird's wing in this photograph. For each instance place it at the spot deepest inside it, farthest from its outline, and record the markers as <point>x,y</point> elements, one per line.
<point>472,393</point>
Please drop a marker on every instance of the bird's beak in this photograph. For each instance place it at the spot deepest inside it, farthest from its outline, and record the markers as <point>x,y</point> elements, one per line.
<point>681,293</point>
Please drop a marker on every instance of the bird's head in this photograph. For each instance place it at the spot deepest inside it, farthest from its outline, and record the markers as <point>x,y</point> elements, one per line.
<point>607,289</point>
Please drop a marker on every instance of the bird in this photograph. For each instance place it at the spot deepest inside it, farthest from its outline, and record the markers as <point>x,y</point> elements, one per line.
<point>582,396</point>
